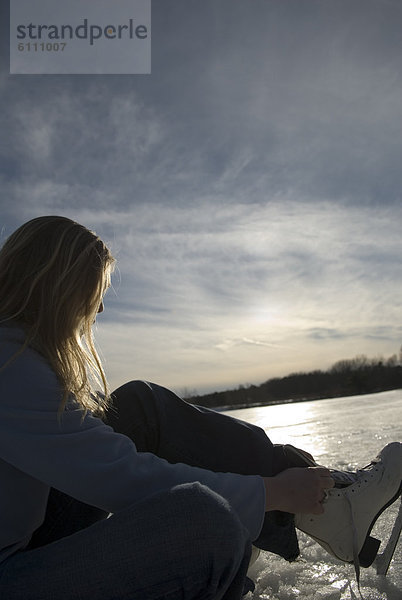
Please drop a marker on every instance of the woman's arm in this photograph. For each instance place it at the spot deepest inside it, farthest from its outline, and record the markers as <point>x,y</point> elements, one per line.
<point>86,459</point>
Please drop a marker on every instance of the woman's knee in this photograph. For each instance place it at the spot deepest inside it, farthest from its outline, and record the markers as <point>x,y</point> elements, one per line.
<point>191,512</point>
<point>215,541</point>
<point>189,534</point>
<point>134,413</point>
<point>210,518</point>
<point>135,386</point>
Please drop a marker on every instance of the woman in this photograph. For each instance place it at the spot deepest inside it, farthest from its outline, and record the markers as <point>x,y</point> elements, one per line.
<point>186,490</point>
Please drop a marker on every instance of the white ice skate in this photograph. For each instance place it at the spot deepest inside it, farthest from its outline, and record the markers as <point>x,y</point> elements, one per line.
<point>353,507</point>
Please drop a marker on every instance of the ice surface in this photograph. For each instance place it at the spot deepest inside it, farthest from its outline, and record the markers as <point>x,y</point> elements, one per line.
<point>345,433</point>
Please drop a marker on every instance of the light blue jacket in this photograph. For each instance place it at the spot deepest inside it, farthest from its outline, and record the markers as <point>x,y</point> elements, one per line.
<point>81,457</point>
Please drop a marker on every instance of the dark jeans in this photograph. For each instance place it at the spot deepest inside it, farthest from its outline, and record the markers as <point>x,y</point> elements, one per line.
<point>160,422</point>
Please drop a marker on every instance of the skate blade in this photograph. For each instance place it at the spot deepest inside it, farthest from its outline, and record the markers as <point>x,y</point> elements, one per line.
<point>383,560</point>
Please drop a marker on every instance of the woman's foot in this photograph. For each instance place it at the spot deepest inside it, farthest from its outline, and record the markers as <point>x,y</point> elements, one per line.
<point>354,505</point>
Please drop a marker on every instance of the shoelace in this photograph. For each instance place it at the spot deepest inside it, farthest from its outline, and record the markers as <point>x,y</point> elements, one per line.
<point>345,479</point>
<point>356,562</point>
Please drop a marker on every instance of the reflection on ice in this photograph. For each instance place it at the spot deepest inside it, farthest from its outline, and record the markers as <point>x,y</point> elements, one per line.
<point>295,423</point>
<point>337,431</point>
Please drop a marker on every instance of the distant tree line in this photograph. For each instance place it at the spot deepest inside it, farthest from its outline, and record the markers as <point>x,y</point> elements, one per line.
<point>359,375</point>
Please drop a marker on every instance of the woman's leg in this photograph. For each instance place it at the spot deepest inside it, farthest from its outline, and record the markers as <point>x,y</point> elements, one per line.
<point>160,422</point>
<point>147,552</point>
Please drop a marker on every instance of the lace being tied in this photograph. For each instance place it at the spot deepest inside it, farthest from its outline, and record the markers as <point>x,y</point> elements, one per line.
<point>346,479</point>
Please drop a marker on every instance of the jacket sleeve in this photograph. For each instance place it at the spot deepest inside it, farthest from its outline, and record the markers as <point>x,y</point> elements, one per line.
<point>81,456</point>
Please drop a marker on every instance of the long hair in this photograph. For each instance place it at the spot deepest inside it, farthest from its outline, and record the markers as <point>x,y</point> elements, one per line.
<point>53,275</point>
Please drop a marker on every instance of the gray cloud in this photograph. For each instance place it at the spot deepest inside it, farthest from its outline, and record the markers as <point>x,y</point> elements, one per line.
<point>250,187</point>
<point>307,102</point>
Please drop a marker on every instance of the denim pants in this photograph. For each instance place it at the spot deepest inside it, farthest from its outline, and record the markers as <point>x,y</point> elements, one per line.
<point>184,543</point>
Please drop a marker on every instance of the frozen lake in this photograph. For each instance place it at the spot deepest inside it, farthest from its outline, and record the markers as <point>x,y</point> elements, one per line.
<point>345,433</point>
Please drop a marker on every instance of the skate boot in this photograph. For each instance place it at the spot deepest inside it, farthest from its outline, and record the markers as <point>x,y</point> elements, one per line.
<point>353,506</point>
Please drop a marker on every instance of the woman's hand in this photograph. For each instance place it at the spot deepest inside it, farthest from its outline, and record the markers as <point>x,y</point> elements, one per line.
<point>298,490</point>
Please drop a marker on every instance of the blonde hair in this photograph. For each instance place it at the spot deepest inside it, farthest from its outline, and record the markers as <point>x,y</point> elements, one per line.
<point>53,275</point>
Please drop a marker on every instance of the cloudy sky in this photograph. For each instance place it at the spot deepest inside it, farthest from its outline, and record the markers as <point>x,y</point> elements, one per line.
<point>250,187</point>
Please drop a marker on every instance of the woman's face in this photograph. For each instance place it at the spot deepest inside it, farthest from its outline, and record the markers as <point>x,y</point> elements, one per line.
<point>107,286</point>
